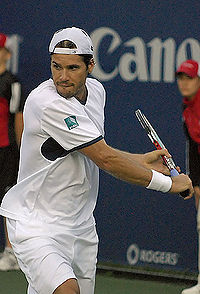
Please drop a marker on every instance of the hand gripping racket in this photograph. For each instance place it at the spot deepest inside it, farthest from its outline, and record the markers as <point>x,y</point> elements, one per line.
<point>159,145</point>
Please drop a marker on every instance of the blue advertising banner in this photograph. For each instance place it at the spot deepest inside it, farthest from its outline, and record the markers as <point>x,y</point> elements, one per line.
<point>138,46</point>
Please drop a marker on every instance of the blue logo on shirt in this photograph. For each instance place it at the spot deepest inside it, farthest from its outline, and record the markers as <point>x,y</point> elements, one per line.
<point>71,122</point>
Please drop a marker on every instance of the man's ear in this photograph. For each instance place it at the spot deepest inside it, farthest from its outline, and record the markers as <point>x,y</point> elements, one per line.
<point>91,65</point>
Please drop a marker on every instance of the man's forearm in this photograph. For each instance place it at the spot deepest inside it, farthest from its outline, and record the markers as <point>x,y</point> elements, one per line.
<point>122,165</point>
<point>18,127</point>
<point>129,167</point>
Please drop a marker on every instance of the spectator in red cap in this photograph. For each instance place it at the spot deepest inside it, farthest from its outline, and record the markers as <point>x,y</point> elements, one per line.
<point>188,79</point>
<point>11,124</point>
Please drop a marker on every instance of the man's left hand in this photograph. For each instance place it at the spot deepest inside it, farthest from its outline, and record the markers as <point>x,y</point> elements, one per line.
<point>153,160</point>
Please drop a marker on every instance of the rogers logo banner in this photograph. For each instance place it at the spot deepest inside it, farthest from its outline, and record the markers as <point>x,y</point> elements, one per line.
<point>135,255</point>
<point>158,65</point>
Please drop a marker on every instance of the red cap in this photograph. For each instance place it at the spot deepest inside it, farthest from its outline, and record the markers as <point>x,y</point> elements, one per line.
<point>189,67</point>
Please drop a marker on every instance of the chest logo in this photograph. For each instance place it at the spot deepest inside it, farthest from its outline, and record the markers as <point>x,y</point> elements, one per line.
<point>71,122</point>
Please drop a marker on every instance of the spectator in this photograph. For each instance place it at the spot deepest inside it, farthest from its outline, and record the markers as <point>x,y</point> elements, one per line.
<point>11,125</point>
<point>188,80</point>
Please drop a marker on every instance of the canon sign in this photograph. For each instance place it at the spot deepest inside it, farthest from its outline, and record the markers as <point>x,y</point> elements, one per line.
<point>160,64</point>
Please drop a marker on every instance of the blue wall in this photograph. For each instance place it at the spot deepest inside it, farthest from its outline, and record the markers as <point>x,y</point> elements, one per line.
<point>135,226</point>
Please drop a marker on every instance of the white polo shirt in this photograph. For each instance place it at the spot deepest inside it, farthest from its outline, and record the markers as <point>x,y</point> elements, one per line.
<point>55,181</point>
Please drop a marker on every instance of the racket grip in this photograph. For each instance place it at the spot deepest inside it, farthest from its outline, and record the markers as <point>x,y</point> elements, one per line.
<point>175,173</point>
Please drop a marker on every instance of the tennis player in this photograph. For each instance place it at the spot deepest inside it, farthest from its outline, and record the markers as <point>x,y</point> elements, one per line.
<point>50,210</point>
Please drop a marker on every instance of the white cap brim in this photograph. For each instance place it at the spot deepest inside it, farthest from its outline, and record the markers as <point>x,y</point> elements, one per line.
<point>78,36</point>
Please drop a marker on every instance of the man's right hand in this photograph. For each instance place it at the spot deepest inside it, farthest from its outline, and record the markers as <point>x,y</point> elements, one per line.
<point>181,183</point>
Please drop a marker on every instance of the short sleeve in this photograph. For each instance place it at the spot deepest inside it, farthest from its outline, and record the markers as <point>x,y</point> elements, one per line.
<point>69,125</point>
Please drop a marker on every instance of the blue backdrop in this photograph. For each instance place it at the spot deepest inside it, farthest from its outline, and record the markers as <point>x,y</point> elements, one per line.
<point>139,44</point>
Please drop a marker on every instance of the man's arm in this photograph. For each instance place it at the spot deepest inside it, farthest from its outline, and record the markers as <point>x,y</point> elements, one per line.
<point>18,127</point>
<point>132,168</point>
<point>151,160</point>
<point>118,164</point>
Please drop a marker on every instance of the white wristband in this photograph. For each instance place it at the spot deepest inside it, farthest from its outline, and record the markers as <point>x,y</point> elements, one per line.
<point>160,182</point>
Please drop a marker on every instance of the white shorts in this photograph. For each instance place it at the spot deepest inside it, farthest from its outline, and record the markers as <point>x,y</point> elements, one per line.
<point>48,256</point>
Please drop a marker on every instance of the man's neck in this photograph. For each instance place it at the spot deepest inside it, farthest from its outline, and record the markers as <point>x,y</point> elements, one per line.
<point>82,96</point>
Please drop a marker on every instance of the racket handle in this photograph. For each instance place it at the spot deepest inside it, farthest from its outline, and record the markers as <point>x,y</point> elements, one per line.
<point>175,173</point>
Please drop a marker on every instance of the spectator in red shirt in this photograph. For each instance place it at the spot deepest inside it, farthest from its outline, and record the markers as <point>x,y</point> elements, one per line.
<point>11,126</point>
<point>188,79</point>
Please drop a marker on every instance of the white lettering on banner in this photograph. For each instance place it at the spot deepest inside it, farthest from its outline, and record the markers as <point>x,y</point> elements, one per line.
<point>139,58</point>
<point>195,51</point>
<point>135,255</point>
<point>14,43</point>
<point>97,37</point>
<point>163,59</point>
<point>157,48</point>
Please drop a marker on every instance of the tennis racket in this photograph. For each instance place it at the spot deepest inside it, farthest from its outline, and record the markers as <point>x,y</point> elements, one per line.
<point>153,136</point>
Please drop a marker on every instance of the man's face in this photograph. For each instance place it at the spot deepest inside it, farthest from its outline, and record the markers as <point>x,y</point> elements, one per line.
<point>69,74</point>
<point>188,86</point>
